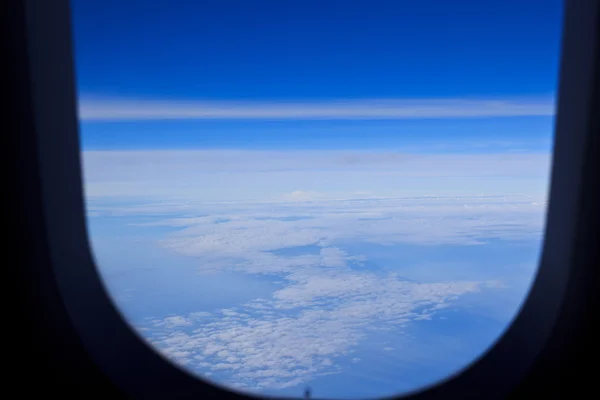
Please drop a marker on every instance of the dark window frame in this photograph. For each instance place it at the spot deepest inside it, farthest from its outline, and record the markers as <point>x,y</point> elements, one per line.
<point>45,91</point>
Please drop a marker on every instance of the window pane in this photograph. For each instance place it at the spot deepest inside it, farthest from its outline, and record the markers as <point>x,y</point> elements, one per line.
<point>341,196</point>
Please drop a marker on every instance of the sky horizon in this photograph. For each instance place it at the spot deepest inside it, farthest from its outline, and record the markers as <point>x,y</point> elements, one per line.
<point>191,74</point>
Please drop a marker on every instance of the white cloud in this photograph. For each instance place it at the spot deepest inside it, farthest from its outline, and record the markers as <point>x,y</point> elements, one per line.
<point>300,195</point>
<point>243,175</point>
<point>95,109</point>
<point>290,341</point>
<point>174,321</point>
<point>327,302</point>
<point>251,232</point>
<point>333,257</point>
<point>328,299</point>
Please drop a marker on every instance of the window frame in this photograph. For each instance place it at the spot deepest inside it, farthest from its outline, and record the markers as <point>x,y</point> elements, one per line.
<point>140,372</point>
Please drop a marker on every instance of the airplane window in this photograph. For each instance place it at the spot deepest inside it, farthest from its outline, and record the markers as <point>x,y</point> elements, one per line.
<point>338,199</point>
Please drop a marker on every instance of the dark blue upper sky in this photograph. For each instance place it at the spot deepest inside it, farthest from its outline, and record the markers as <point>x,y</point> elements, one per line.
<point>307,50</point>
<point>316,49</point>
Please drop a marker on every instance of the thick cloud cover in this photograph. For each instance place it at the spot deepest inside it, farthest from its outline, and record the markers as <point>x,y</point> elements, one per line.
<point>329,299</point>
<point>297,218</point>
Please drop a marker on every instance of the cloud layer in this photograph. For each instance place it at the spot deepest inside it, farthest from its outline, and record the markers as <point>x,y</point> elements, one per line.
<point>329,297</point>
<point>299,219</point>
<point>92,109</point>
<point>294,337</point>
<point>241,175</point>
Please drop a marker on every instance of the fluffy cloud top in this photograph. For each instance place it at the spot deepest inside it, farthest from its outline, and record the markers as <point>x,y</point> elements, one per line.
<point>329,300</point>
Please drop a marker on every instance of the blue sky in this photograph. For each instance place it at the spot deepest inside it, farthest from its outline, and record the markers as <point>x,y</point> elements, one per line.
<point>317,49</point>
<point>309,53</point>
<point>343,194</point>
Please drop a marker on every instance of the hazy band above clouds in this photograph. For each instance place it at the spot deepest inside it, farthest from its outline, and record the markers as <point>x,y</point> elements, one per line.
<point>232,175</point>
<point>127,109</point>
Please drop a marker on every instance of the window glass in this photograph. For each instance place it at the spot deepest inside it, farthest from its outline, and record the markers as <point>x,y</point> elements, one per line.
<point>341,197</point>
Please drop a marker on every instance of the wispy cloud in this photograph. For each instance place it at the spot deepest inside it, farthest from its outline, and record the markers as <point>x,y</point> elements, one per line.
<point>96,109</point>
<point>241,175</point>
<point>251,232</point>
